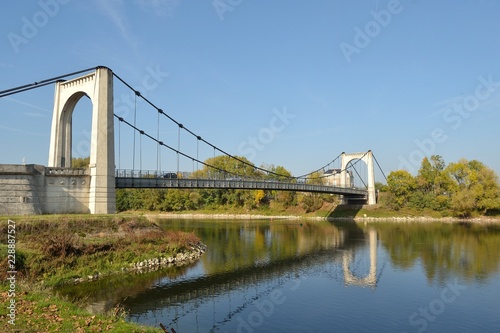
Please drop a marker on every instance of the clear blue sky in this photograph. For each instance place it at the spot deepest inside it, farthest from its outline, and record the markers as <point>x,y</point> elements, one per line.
<point>343,76</point>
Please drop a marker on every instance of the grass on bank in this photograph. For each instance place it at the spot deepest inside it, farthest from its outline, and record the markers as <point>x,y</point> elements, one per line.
<point>54,250</point>
<point>38,310</point>
<point>59,251</point>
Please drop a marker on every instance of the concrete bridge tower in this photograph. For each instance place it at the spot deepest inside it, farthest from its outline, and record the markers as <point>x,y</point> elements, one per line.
<point>98,86</point>
<point>366,158</point>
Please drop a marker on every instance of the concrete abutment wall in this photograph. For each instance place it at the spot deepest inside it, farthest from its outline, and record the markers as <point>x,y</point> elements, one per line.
<point>34,189</point>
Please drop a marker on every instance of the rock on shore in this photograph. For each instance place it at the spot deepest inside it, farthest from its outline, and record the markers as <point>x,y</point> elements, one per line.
<point>180,259</point>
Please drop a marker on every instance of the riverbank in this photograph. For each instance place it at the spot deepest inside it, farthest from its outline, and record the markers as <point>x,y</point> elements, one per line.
<point>37,309</point>
<point>189,216</point>
<point>374,213</point>
<point>51,251</point>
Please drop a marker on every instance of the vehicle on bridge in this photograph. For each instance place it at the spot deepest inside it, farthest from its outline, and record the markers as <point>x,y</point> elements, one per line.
<point>169,175</point>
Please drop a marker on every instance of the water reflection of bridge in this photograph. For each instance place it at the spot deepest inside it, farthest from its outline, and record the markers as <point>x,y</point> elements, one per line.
<point>207,287</point>
<point>270,274</point>
<point>153,289</point>
<point>341,252</point>
<point>369,280</point>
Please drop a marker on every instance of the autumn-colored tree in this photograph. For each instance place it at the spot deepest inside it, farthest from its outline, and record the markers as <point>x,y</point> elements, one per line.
<point>259,196</point>
<point>474,188</point>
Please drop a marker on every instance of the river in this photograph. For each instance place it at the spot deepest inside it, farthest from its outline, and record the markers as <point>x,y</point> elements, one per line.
<point>299,276</point>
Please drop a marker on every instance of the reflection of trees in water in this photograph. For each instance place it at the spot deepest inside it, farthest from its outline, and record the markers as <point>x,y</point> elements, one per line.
<point>236,258</point>
<point>238,254</point>
<point>238,245</point>
<point>445,250</point>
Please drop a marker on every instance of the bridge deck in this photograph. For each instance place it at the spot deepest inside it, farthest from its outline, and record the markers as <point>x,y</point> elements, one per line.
<point>128,182</point>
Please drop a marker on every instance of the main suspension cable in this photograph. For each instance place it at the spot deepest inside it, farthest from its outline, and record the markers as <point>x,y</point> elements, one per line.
<point>137,93</point>
<point>171,148</point>
<point>383,174</point>
<point>322,168</point>
<point>42,83</point>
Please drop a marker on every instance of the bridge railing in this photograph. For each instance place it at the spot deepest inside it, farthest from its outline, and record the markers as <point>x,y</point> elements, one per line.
<point>128,173</point>
<point>57,171</point>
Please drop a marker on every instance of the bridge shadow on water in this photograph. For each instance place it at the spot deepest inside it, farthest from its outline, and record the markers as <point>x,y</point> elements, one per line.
<point>343,213</point>
<point>342,217</point>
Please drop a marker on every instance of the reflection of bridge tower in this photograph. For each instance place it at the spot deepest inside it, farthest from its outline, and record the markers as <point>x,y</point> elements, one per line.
<point>371,279</point>
<point>368,159</point>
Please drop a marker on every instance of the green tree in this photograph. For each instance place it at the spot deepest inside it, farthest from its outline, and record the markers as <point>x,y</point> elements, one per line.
<point>123,199</point>
<point>310,202</point>
<point>432,185</point>
<point>381,187</point>
<point>401,185</point>
<point>280,199</point>
<point>285,198</point>
<point>196,199</point>
<point>278,172</point>
<point>175,200</point>
<point>315,178</point>
<point>430,178</point>
<point>426,176</point>
<point>80,162</point>
<point>151,198</point>
<point>226,167</point>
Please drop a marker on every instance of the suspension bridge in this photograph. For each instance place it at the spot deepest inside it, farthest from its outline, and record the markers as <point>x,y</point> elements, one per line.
<point>60,188</point>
